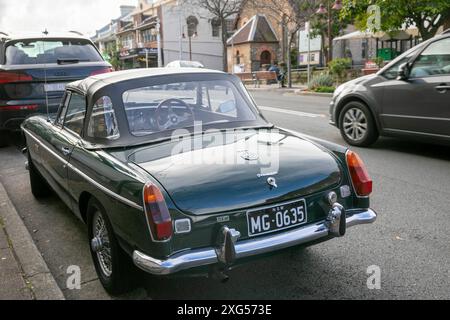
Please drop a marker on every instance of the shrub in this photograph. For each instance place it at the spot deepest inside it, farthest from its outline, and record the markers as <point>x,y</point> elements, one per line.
<point>323,80</point>
<point>379,62</point>
<point>325,89</point>
<point>338,67</point>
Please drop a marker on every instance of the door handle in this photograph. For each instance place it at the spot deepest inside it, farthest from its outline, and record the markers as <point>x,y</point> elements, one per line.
<point>443,88</point>
<point>65,151</point>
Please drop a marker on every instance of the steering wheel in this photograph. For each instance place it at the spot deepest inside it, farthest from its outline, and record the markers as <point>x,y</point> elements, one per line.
<point>173,119</point>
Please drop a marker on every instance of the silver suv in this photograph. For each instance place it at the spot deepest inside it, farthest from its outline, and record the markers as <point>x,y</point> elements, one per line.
<point>410,97</point>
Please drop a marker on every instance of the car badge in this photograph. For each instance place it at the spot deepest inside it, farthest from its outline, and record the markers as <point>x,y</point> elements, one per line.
<point>272,182</point>
<point>249,156</point>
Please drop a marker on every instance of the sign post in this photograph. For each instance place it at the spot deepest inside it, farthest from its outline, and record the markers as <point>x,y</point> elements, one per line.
<point>308,34</point>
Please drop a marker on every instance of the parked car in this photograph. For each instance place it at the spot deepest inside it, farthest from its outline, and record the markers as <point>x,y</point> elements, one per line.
<point>123,153</point>
<point>34,71</point>
<point>185,64</point>
<point>407,98</point>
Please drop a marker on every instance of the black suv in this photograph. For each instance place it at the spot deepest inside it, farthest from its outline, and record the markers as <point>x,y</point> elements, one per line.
<point>410,97</point>
<point>34,71</point>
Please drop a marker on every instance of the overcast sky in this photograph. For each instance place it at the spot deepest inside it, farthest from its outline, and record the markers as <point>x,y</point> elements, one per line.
<point>85,16</point>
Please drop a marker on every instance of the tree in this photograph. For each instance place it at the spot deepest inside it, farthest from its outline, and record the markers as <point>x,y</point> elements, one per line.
<point>319,26</point>
<point>427,15</point>
<point>292,15</point>
<point>220,11</point>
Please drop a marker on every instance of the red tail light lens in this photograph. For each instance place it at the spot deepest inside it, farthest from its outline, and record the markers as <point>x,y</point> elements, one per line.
<point>158,215</point>
<point>101,71</point>
<point>9,77</point>
<point>361,180</point>
<point>21,107</point>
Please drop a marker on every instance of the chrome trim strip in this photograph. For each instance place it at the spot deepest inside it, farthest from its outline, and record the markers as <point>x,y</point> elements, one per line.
<point>413,117</point>
<point>106,190</point>
<point>418,133</point>
<point>84,176</point>
<point>247,248</point>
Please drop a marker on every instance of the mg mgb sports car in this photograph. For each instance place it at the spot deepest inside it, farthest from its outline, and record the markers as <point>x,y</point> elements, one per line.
<point>177,172</point>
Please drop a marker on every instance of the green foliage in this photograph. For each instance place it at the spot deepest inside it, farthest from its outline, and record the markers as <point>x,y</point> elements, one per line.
<point>427,15</point>
<point>325,89</point>
<point>379,61</point>
<point>323,80</point>
<point>339,67</point>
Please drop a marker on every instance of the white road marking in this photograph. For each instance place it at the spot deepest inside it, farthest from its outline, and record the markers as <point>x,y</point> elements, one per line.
<point>292,112</point>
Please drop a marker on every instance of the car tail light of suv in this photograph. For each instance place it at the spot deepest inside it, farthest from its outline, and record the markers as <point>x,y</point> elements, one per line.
<point>360,177</point>
<point>158,216</point>
<point>12,77</point>
<point>101,71</point>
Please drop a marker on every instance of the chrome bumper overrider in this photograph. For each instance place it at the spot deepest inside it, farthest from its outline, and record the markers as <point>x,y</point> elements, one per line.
<point>245,248</point>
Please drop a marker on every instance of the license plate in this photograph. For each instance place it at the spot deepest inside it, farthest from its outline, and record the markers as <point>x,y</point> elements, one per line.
<point>275,218</point>
<point>50,87</point>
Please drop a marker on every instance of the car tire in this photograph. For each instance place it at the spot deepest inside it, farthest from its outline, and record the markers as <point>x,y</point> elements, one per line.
<point>39,187</point>
<point>357,125</point>
<point>4,139</point>
<point>114,267</point>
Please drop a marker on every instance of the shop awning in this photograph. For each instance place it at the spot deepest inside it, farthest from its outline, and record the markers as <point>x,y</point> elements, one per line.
<point>383,36</point>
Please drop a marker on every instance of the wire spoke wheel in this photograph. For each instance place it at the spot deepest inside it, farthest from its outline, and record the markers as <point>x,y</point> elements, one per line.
<point>101,244</point>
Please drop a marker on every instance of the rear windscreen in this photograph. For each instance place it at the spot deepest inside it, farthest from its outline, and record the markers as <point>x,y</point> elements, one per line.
<point>40,51</point>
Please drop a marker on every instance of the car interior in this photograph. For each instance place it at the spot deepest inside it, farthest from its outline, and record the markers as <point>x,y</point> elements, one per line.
<point>39,52</point>
<point>175,106</point>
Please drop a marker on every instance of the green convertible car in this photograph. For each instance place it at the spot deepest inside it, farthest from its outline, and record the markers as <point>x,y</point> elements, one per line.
<point>178,172</point>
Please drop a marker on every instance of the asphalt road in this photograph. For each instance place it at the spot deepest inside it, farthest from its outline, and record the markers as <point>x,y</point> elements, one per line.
<point>409,241</point>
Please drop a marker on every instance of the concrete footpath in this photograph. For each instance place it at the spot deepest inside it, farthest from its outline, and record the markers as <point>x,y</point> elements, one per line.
<point>24,275</point>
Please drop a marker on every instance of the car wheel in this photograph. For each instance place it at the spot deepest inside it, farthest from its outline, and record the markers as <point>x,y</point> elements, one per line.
<point>39,187</point>
<point>3,139</point>
<point>114,268</point>
<point>357,125</point>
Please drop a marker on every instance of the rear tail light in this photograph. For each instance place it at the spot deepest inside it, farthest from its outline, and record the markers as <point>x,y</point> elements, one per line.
<point>10,77</point>
<point>101,71</point>
<point>358,172</point>
<point>28,107</point>
<point>158,216</point>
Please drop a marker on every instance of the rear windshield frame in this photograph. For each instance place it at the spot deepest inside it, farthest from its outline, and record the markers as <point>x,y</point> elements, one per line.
<point>13,42</point>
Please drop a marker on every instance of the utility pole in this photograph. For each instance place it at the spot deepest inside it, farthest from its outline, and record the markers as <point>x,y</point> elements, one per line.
<point>328,11</point>
<point>308,34</point>
<point>180,21</point>
<point>232,55</point>
<point>158,39</point>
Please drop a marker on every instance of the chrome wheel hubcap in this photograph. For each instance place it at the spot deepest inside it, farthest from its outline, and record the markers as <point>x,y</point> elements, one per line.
<point>355,124</point>
<point>100,244</point>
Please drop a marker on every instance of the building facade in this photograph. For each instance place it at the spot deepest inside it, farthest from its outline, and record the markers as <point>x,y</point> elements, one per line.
<point>191,33</point>
<point>137,35</point>
<point>106,39</point>
<point>254,47</point>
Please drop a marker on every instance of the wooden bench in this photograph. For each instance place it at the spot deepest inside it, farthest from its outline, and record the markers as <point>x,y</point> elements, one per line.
<point>258,76</point>
<point>265,76</point>
<point>247,76</point>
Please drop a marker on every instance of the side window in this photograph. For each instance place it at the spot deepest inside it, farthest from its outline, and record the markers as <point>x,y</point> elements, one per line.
<point>62,110</point>
<point>75,114</point>
<point>434,60</point>
<point>223,100</point>
<point>103,121</point>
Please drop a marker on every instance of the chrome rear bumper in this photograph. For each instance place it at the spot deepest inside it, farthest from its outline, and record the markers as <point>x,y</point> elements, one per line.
<point>246,248</point>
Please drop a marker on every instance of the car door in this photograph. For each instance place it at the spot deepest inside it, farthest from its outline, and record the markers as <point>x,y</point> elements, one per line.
<point>421,104</point>
<point>67,133</point>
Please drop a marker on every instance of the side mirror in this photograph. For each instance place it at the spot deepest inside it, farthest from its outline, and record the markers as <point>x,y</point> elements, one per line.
<point>404,72</point>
